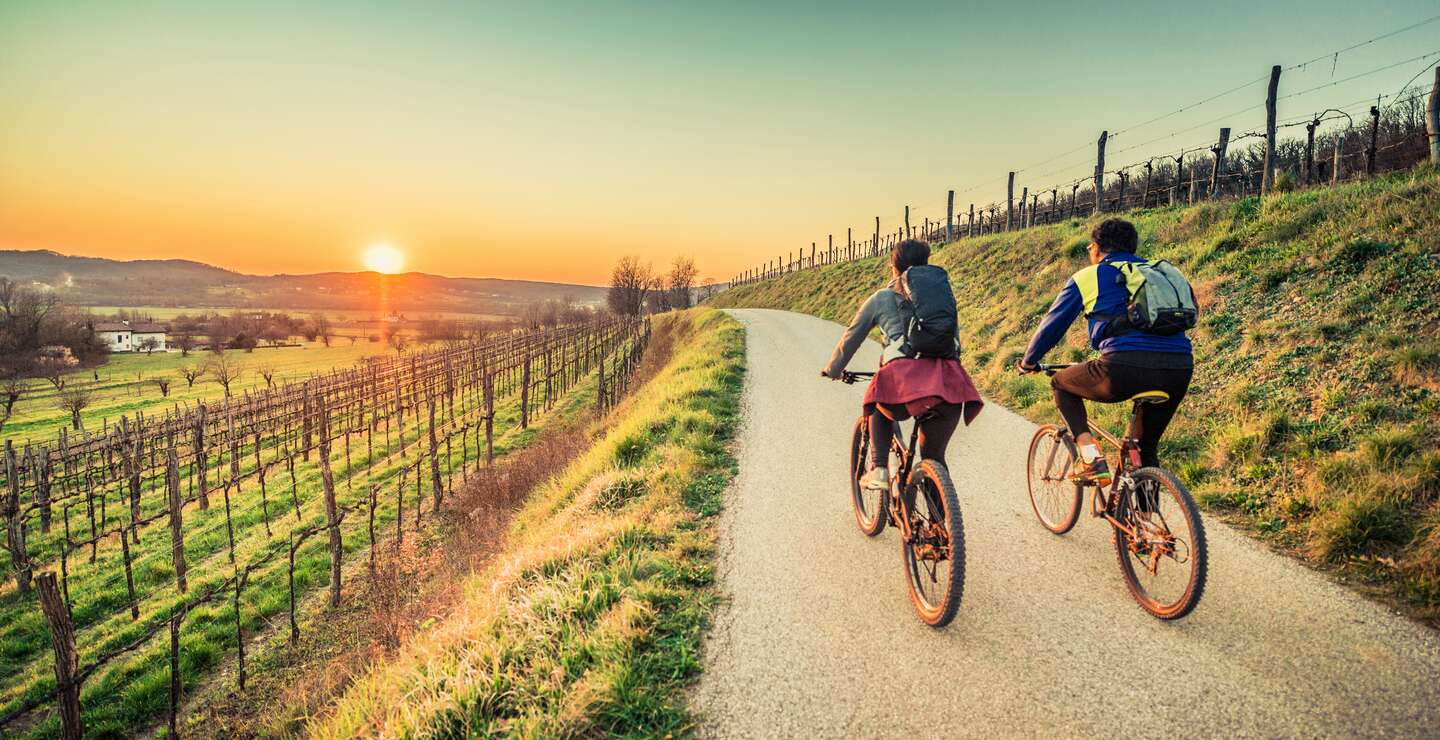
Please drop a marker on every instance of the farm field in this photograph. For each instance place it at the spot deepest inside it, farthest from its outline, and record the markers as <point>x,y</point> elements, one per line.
<point>166,313</point>
<point>126,383</point>
<point>355,481</point>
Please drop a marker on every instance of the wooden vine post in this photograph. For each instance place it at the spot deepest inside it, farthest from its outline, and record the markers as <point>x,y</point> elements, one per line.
<point>1267,178</point>
<point>332,513</point>
<point>1217,171</point>
<point>15,523</point>
<point>1010,202</point>
<point>1432,119</point>
<point>177,537</point>
<point>200,457</point>
<point>1100,171</point>
<point>62,639</point>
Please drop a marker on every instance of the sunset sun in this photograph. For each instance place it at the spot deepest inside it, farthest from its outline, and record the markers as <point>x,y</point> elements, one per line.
<point>384,258</point>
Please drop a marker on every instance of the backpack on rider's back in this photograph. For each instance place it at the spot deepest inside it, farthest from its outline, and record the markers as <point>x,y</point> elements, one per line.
<point>1161,300</point>
<point>928,304</point>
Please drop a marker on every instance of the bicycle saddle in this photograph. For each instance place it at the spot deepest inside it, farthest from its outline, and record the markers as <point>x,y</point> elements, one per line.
<point>1150,397</point>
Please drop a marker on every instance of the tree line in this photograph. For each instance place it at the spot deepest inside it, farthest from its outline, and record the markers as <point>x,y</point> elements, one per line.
<point>637,288</point>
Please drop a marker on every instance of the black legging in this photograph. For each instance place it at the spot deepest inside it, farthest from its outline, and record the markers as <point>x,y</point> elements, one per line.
<point>1109,382</point>
<point>935,430</point>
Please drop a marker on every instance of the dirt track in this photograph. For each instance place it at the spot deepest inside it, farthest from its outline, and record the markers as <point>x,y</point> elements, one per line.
<point>818,639</point>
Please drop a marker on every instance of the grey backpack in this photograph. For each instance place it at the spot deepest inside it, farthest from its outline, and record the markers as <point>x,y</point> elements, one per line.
<point>1161,300</point>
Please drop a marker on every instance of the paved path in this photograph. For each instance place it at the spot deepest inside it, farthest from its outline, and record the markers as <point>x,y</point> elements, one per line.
<point>818,638</point>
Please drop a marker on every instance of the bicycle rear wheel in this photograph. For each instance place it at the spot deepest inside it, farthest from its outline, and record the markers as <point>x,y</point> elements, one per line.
<point>935,553</point>
<point>1165,562</point>
<point>1054,498</point>
<point>869,505</point>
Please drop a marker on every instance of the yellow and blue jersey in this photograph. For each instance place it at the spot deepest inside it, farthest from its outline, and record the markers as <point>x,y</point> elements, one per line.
<point>1098,291</point>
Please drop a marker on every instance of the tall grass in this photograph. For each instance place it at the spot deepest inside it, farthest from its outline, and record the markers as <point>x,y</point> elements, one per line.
<point>1316,352</point>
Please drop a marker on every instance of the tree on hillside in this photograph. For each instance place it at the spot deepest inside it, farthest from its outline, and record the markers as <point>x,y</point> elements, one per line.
<point>11,389</point>
<point>148,345</point>
<point>75,398</point>
<point>224,371</point>
<point>682,282</point>
<point>630,283</point>
<point>323,328</point>
<point>192,373</point>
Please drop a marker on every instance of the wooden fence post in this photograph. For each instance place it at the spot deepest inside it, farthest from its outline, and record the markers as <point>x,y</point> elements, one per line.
<point>435,486</point>
<point>1432,119</point>
<point>1374,139</point>
<point>1024,201</point>
<point>525,394</point>
<point>1100,171</point>
<point>332,518</point>
<point>1217,170</point>
<point>1267,178</point>
<point>177,536</point>
<point>950,216</point>
<point>15,523</point>
<point>62,639</point>
<point>200,456</point>
<point>1009,202</point>
<point>489,418</point>
<point>175,617</point>
<point>875,245</point>
<point>1307,166</point>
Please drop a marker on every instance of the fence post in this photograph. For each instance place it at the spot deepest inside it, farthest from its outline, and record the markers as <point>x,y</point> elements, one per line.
<point>1432,119</point>
<point>1024,203</point>
<point>1374,136</point>
<point>950,216</point>
<point>1074,194</point>
<point>1100,171</point>
<point>970,228</point>
<point>1267,178</point>
<point>1010,202</point>
<point>1179,177</point>
<point>15,523</point>
<point>875,245</point>
<point>525,394</point>
<point>908,231</point>
<point>200,455</point>
<point>1307,167</point>
<point>177,537</point>
<point>1218,169</point>
<point>332,520</point>
<point>62,638</point>
<point>175,670</point>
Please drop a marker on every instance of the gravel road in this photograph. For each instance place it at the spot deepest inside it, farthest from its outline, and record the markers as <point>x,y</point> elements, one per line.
<point>817,637</point>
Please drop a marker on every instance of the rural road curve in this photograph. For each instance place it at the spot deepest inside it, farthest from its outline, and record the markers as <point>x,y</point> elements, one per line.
<point>817,637</point>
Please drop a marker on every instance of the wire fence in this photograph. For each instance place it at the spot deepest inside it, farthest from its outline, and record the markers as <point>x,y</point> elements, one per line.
<point>1355,140</point>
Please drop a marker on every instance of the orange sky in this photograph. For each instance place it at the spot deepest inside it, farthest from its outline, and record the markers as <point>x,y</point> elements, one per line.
<point>542,141</point>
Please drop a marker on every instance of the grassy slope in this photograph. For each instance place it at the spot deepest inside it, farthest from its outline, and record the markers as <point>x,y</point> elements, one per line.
<point>589,621</point>
<point>1313,416</point>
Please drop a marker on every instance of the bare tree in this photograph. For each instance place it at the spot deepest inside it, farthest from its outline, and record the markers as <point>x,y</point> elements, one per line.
<point>75,398</point>
<point>192,373</point>
<point>323,328</point>
<point>186,343</point>
<point>682,282</point>
<point>630,283</point>
<point>11,389</point>
<point>224,371</point>
<point>148,345</point>
<point>268,373</point>
<point>398,341</point>
<point>54,371</point>
<point>164,385</point>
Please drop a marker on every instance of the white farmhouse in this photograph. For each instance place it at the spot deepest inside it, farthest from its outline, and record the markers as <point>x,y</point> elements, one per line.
<point>123,336</point>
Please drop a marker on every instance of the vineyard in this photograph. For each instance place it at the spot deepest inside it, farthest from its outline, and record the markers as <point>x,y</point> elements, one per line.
<point>142,555</point>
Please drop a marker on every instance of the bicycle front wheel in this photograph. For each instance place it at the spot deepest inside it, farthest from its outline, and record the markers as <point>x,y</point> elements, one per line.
<point>1054,498</point>
<point>934,553</point>
<point>869,505</point>
<point>1163,557</point>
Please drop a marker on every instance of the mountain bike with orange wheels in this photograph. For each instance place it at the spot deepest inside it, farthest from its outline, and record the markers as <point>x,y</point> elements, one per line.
<point>922,504</point>
<point>1158,535</point>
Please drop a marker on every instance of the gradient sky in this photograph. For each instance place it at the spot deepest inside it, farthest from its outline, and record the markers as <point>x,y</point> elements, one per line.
<point>542,140</point>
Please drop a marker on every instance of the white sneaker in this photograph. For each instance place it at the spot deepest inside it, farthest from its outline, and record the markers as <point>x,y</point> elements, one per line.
<point>878,479</point>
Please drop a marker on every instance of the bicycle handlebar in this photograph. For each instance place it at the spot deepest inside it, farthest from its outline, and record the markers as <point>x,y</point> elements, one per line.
<point>850,378</point>
<point>1050,369</point>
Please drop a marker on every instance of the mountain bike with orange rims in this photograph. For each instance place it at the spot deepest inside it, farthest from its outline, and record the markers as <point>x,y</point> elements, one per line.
<point>922,504</point>
<point>1158,536</point>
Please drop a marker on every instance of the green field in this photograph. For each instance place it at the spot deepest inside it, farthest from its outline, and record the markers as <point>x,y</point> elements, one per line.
<point>1314,418</point>
<point>126,383</point>
<point>342,315</point>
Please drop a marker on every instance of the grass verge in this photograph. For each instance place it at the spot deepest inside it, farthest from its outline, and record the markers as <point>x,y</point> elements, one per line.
<point>1312,421</point>
<point>589,621</point>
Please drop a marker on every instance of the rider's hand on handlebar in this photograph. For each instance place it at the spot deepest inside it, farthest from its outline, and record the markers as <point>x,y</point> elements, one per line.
<point>1023,368</point>
<point>825,373</point>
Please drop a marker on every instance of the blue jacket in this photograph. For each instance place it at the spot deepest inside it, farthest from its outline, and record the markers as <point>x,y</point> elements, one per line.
<point>1098,290</point>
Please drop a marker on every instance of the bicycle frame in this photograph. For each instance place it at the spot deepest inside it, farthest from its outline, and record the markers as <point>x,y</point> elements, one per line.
<point>899,511</point>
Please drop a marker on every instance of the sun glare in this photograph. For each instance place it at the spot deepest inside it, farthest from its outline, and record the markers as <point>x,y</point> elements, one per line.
<point>384,258</point>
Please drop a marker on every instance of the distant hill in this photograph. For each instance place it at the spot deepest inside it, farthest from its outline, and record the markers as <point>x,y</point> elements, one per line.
<point>96,281</point>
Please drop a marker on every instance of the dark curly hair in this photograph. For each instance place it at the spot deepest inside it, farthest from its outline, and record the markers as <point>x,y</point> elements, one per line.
<point>1115,235</point>
<point>908,254</point>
